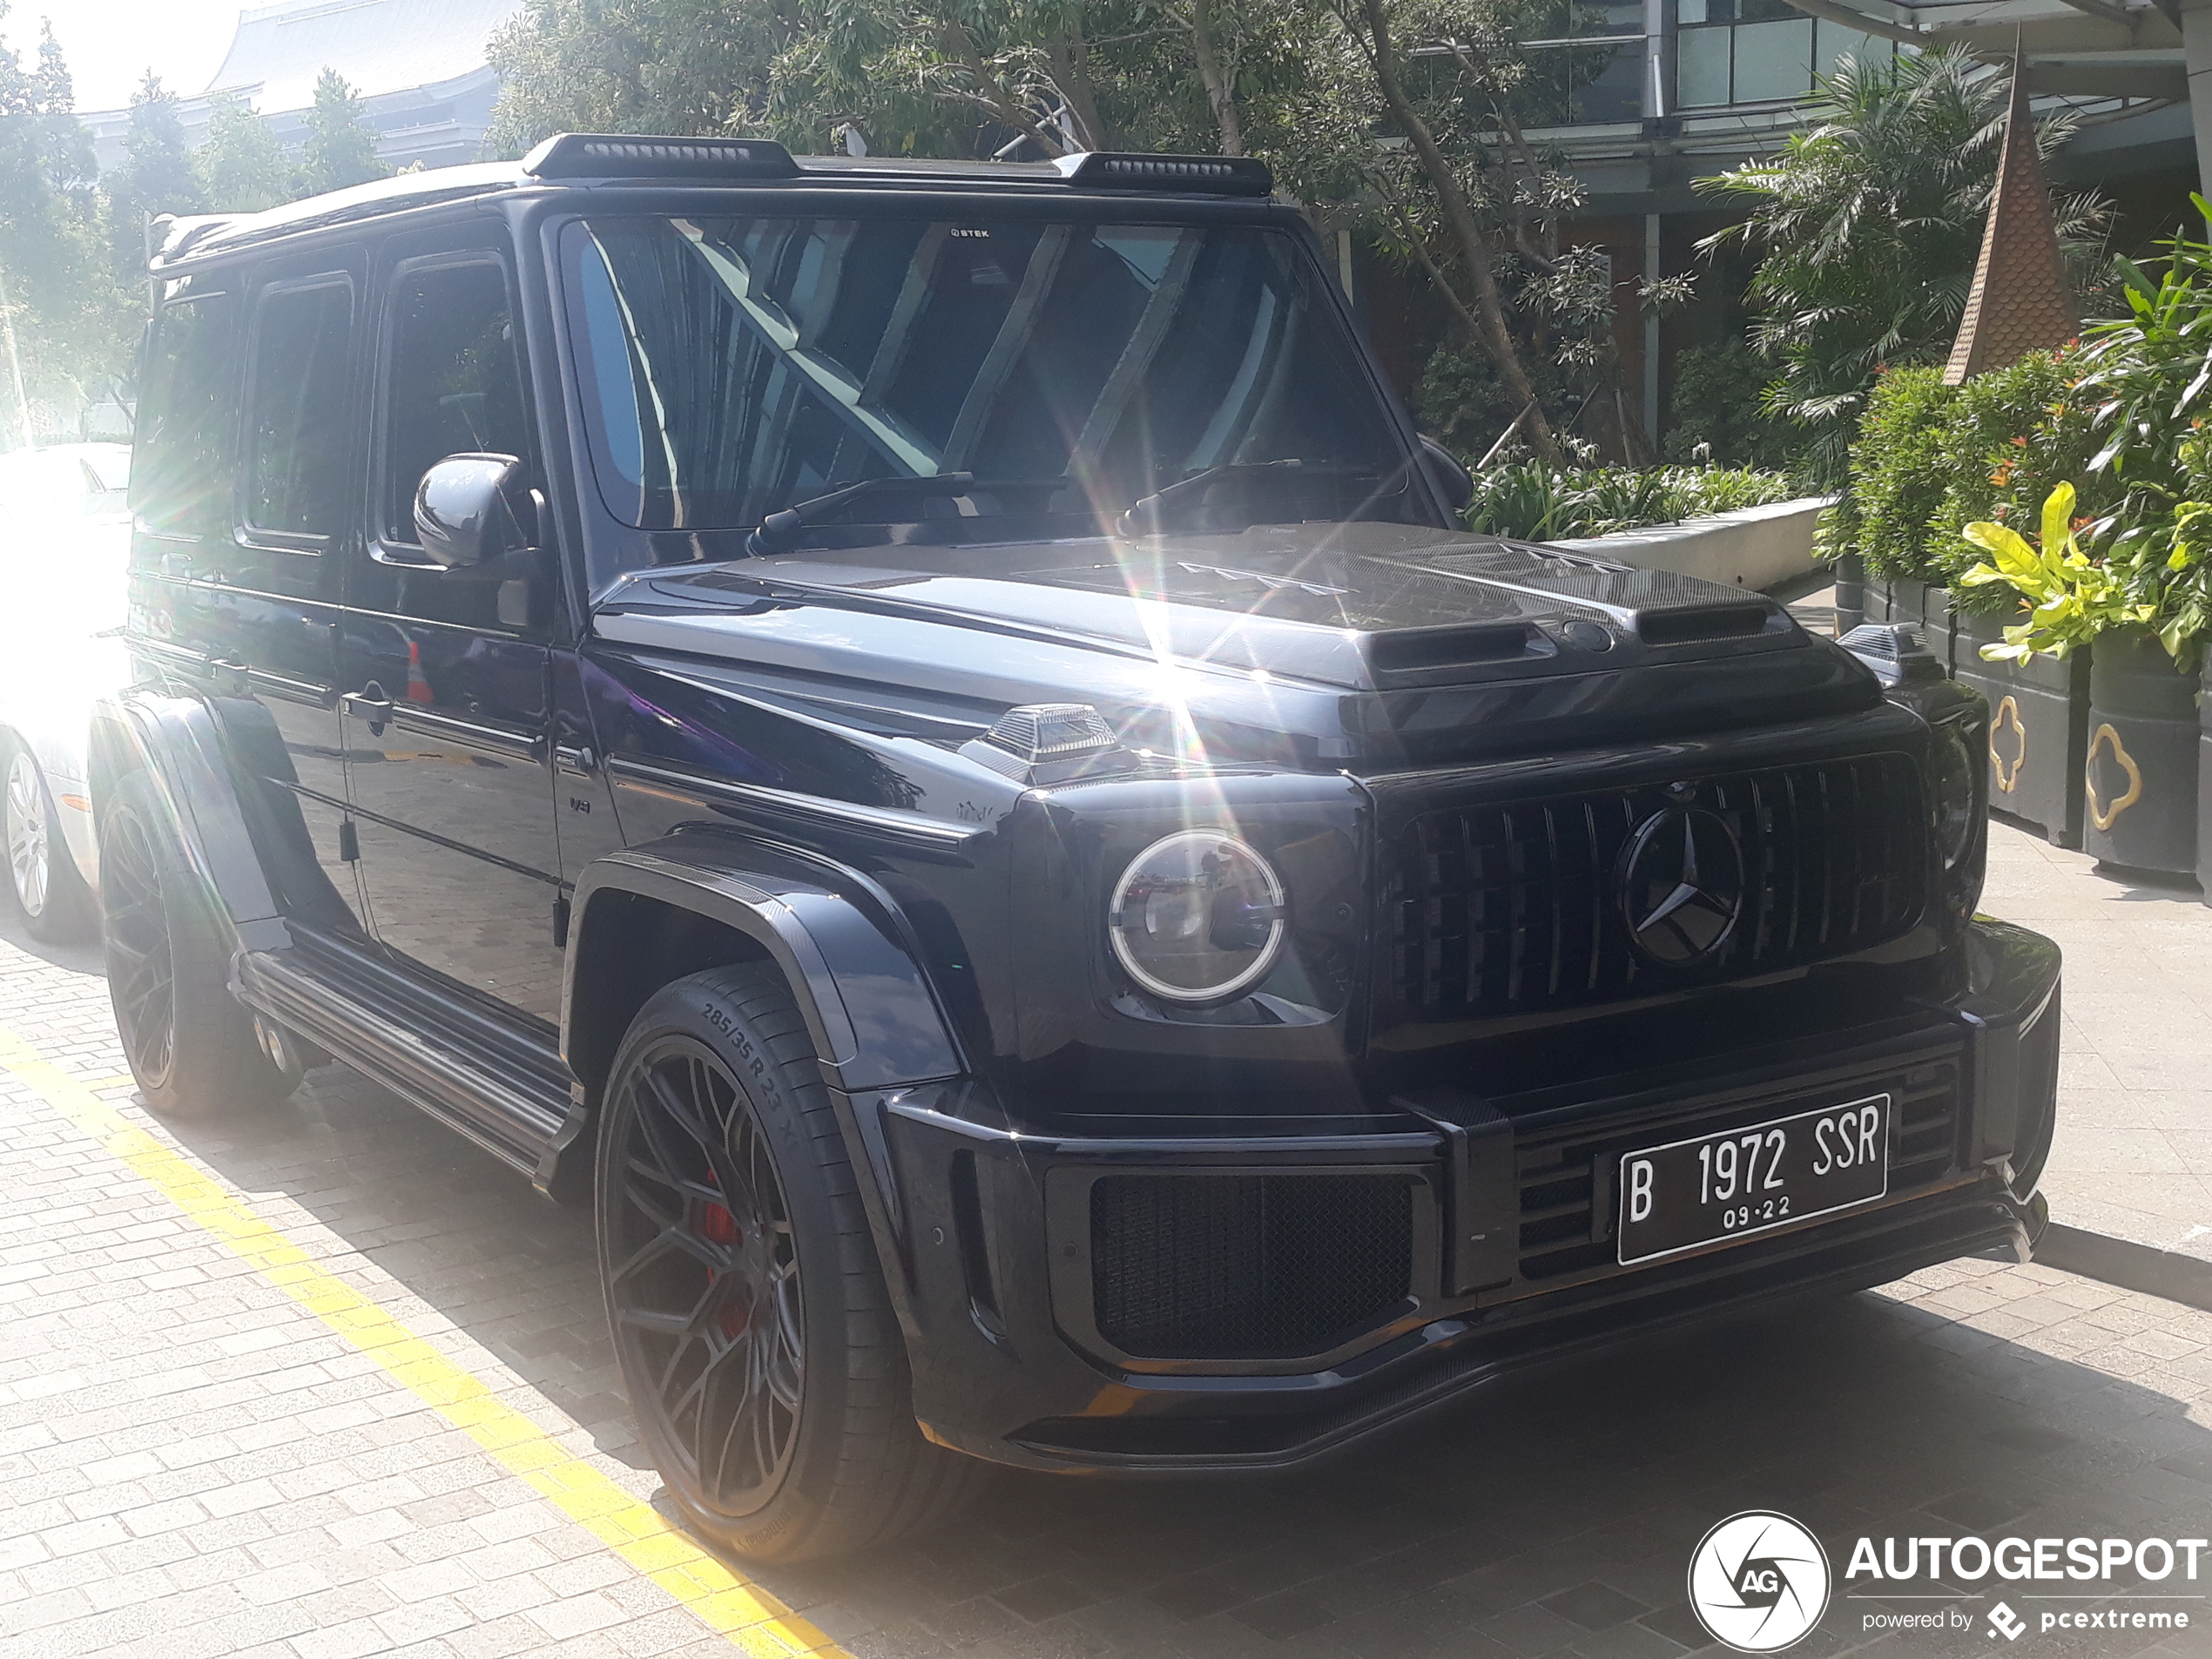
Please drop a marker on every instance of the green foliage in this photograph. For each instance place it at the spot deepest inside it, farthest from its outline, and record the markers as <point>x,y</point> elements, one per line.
<point>1931,459</point>
<point>688,67</point>
<point>341,149</point>
<point>1868,224</point>
<point>1460,401</point>
<point>242,168</point>
<point>1717,407</point>
<point>2072,598</point>
<point>156,177</point>
<point>70,320</point>
<point>1532,503</point>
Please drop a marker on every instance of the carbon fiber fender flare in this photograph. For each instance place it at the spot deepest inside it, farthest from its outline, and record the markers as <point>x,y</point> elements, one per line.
<point>176,741</point>
<point>869,1006</point>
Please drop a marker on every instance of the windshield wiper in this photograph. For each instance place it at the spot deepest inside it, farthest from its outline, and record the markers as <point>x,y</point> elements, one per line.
<point>780,531</point>
<point>1147,515</point>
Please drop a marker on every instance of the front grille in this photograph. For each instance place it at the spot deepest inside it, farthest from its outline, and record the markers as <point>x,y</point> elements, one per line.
<point>1499,909</point>
<point>1562,1233</point>
<point>1245,1267</point>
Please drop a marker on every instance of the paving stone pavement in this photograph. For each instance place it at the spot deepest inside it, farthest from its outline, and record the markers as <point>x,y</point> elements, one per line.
<point>2133,1155</point>
<point>191,1464</point>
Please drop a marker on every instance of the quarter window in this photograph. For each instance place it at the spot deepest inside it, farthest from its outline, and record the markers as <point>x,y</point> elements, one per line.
<point>456,383</point>
<point>295,478</point>
<point>182,482</point>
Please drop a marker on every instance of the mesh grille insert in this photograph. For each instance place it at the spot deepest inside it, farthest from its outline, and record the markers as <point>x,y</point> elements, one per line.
<point>1508,908</point>
<point>1245,1267</point>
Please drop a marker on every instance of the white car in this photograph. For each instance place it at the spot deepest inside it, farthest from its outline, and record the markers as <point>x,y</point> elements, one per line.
<point>65,544</point>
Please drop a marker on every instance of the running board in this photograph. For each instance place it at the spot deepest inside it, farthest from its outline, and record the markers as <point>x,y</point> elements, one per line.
<point>488,1081</point>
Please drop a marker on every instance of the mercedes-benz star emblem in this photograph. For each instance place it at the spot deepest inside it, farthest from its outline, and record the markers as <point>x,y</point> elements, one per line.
<point>1681,885</point>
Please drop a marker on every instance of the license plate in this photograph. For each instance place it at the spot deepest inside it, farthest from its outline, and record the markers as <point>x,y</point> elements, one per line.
<point>1751,1180</point>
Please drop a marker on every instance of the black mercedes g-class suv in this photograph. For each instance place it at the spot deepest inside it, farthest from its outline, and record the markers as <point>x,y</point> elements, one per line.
<point>926,737</point>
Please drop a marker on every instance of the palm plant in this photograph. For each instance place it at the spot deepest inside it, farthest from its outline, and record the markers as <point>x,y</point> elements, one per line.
<point>1867,225</point>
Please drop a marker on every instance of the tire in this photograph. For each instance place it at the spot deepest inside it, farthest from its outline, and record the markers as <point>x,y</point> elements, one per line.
<point>42,876</point>
<point>724,1191</point>
<point>194,1049</point>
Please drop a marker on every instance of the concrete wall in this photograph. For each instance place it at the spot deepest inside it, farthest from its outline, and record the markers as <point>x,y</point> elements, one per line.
<point>1756,547</point>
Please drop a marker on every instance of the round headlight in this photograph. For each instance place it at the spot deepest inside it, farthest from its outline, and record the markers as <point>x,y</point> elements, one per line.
<point>1956,797</point>
<point>1195,916</point>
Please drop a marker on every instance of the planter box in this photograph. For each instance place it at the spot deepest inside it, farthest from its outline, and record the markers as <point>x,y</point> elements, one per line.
<point>2141,774</point>
<point>2039,729</point>
<point>1756,547</point>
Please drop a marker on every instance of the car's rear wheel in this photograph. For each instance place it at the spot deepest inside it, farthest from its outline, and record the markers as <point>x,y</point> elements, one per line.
<point>57,906</point>
<point>193,1048</point>
<point>755,1335</point>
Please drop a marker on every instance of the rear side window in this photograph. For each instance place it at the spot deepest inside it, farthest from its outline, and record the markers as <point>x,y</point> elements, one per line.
<point>295,473</point>
<point>187,419</point>
<point>454,385</point>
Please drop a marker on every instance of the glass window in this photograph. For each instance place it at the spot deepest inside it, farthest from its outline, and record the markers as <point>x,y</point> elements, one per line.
<point>1773,60</point>
<point>739,365</point>
<point>295,478</point>
<point>1838,43</point>
<point>1701,67</point>
<point>182,483</point>
<point>453,385</point>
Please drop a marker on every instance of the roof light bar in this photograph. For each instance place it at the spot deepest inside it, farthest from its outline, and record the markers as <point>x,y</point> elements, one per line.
<point>605,155</point>
<point>1211,175</point>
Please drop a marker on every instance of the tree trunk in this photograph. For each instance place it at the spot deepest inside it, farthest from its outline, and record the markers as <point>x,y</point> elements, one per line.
<point>961,47</point>
<point>1458,219</point>
<point>1071,57</point>
<point>1221,87</point>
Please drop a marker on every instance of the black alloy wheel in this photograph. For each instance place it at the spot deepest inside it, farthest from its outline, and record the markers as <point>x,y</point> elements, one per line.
<point>750,1317</point>
<point>194,1050</point>
<point>705,1299</point>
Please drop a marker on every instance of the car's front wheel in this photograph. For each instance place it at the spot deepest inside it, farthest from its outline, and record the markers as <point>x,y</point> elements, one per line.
<point>193,1048</point>
<point>57,906</point>
<point>756,1338</point>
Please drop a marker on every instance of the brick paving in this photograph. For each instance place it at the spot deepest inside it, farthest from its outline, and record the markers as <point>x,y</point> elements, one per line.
<point>191,1464</point>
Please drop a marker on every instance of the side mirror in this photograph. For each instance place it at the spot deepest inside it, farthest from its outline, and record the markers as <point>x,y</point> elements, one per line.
<point>1453,484</point>
<point>471,509</point>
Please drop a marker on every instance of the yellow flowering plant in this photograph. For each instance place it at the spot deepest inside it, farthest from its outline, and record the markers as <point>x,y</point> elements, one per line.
<point>2072,598</point>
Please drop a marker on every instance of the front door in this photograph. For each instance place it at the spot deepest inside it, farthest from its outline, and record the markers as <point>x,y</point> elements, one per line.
<point>445,673</point>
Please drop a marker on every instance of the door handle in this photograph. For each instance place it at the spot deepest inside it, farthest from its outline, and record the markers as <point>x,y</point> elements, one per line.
<point>371,705</point>
<point>575,758</point>
<point>229,676</point>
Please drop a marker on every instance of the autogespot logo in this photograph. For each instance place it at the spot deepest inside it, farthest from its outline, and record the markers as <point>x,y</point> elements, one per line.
<point>1758,1582</point>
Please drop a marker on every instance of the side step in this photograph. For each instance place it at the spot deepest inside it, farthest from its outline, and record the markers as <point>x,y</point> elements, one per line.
<point>502,1086</point>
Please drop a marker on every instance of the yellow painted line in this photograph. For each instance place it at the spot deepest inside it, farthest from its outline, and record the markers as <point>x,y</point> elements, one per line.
<point>752,1618</point>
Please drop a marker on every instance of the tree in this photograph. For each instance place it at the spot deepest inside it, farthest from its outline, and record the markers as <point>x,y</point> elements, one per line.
<point>341,147</point>
<point>241,166</point>
<point>1868,225</point>
<point>684,67</point>
<point>65,315</point>
<point>156,176</point>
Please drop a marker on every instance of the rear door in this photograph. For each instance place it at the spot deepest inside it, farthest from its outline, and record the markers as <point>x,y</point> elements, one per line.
<point>244,491</point>
<point>445,673</point>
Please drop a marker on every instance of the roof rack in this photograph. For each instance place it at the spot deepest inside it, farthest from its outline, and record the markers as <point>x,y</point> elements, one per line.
<point>613,155</point>
<point>608,155</point>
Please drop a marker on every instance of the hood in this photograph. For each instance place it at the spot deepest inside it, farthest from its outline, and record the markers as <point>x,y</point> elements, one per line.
<point>1375,640</point>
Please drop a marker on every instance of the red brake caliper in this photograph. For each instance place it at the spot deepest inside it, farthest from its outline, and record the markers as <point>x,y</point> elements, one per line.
<point>721,1227</point>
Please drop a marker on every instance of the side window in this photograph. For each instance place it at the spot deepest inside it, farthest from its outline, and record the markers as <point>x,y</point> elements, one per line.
<point>453,385</point>
<point>296,449</point>
<point>181,483</point>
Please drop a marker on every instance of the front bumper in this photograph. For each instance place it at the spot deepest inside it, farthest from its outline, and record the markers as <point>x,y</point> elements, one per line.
<point>1320,1288</point>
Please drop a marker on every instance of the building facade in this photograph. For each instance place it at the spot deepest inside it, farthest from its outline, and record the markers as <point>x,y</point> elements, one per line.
<point>418,66</point>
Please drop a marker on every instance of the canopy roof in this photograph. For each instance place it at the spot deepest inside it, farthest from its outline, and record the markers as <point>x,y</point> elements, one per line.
<point>378,45</point>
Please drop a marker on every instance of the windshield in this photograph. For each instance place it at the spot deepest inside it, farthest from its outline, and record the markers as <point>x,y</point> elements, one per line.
<point>734,367</point>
